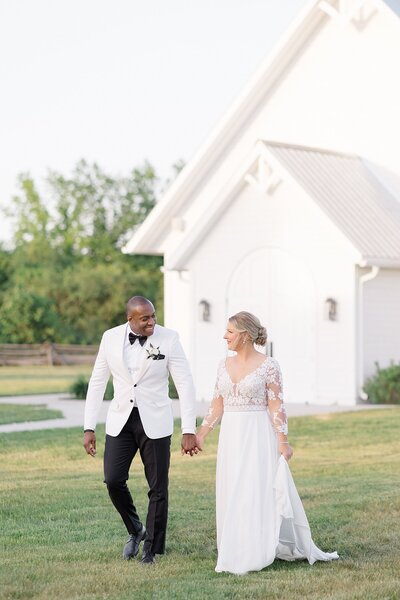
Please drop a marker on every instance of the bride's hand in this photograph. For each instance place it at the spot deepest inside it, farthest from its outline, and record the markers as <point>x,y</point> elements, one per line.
<point>199,442</point>
<point>285,450</point>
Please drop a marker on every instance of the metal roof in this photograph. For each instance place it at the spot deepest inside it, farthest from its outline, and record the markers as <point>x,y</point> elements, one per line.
<point>394,5</point>
<point>362,199</point>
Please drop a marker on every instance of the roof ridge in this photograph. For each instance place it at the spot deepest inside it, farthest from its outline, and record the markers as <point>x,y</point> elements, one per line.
<point>314,149</point>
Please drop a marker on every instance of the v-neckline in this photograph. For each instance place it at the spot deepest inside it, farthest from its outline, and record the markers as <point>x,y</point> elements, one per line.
<point>248,374</point>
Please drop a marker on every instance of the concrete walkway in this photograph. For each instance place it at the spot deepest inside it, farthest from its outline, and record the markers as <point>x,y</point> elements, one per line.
<point>73,411</point>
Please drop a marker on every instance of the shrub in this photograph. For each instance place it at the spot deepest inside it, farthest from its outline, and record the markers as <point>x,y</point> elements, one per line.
<point>80,386</point>
<point>384,386</point>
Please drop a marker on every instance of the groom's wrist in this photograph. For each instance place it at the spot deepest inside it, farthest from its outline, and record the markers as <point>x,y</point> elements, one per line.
<point>85,430</point>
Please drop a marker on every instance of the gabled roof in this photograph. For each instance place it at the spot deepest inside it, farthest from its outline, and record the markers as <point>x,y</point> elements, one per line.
<point>360,198</point>
<point>146,239</point>
<point>354,188</point>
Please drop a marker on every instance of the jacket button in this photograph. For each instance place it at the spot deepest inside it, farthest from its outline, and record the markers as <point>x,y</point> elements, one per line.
<point>135,385</point>
<point>130,400</point>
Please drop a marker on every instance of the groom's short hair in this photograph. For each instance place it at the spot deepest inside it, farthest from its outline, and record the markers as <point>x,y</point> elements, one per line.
<point>136,301</point>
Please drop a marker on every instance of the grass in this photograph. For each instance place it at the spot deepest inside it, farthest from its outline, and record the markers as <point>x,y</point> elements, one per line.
<point>16,413</point>
<point>62,538</point>
<point>40,379</point>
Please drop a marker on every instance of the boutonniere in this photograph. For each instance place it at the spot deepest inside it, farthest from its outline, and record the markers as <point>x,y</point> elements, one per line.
<point>154,353</point>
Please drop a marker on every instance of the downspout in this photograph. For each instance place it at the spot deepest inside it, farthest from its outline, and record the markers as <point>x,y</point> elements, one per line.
<point>363,279</point>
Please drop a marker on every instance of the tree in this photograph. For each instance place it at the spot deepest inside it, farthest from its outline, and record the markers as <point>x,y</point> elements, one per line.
<point>91,299</point>
<point>5,267</point>
<point>26,317</point>
<point>89,213</point>
<point>96,213</point>
<point>67,264</point>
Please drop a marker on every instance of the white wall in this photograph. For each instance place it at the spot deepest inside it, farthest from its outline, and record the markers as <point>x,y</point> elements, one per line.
<point>381,301</point>
<point>179,307</point>
<point>291,222</point>
<point>342,93</point>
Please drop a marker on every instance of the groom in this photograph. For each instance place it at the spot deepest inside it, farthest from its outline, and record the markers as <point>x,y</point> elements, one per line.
<point>140,355</point>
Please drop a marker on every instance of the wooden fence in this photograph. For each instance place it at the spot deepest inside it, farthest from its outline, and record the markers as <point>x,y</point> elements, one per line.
<point>47,354</point>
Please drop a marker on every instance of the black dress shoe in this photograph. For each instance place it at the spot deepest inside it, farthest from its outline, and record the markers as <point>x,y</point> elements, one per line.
<point>148,558</point>
<point>132,545</point>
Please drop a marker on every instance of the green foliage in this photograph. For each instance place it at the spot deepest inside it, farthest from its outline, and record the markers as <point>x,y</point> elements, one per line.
<point>5,267</point>
<point>26,317</point>
<point>384,386</point>
<point>96,213</point>
<point>79,388</point>
<point>92,298</point>
<point>32,224</point>
<point>66,279</point>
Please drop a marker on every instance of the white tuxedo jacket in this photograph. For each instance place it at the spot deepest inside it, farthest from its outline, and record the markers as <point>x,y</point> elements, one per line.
<point>149,387</point>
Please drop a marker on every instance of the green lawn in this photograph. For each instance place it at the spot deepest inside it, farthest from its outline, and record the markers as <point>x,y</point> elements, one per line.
<point>62,538</point>
<point>40,379</point>
<point>21,413</point>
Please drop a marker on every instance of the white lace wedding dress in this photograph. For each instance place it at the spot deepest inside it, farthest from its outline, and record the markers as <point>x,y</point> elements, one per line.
<point>260,516</point>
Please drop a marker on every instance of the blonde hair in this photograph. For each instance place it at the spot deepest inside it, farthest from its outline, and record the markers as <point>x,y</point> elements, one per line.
<point>245,322</point>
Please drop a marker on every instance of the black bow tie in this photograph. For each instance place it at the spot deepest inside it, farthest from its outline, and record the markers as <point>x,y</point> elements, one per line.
<point>133,337</point>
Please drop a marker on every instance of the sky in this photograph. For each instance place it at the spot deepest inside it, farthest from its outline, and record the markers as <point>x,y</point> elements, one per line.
<point>122,81</point>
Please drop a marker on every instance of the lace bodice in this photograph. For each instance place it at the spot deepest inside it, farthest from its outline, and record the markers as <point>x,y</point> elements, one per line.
<point>259,390</point>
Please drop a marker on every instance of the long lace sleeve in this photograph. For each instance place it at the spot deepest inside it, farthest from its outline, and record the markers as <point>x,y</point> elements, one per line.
<point>276,406</point>
<point>216,409</point>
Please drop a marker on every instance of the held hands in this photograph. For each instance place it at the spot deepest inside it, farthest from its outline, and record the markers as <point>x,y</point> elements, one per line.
<point>189,444</point>
<point>200,442</point>
<point>89,442</point>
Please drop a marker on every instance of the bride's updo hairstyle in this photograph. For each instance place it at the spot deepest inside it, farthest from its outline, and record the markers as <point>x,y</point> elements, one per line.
<point>245,322</point>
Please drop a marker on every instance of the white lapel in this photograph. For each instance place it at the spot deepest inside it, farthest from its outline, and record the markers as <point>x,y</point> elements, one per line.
<point>146,362</point>
<point>121,348</point>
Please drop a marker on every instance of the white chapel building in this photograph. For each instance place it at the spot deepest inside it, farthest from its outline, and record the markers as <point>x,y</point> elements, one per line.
<point>291,210</point>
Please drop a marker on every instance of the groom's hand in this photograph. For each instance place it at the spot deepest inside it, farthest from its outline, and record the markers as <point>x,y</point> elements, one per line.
<point>188,444</point>
<point>89,442</point>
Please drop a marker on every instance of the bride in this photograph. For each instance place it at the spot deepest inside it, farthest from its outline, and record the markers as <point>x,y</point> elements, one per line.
<point>260,516</point>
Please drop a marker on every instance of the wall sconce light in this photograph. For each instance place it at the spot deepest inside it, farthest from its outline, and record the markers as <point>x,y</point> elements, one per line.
<point>204,310</point>
<point>331,309</point>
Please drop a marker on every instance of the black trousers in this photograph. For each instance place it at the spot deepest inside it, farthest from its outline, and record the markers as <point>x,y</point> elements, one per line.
<point>155,455</point>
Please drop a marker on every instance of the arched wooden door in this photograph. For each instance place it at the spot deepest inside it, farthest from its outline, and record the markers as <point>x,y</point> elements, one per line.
<point>278,287</point>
